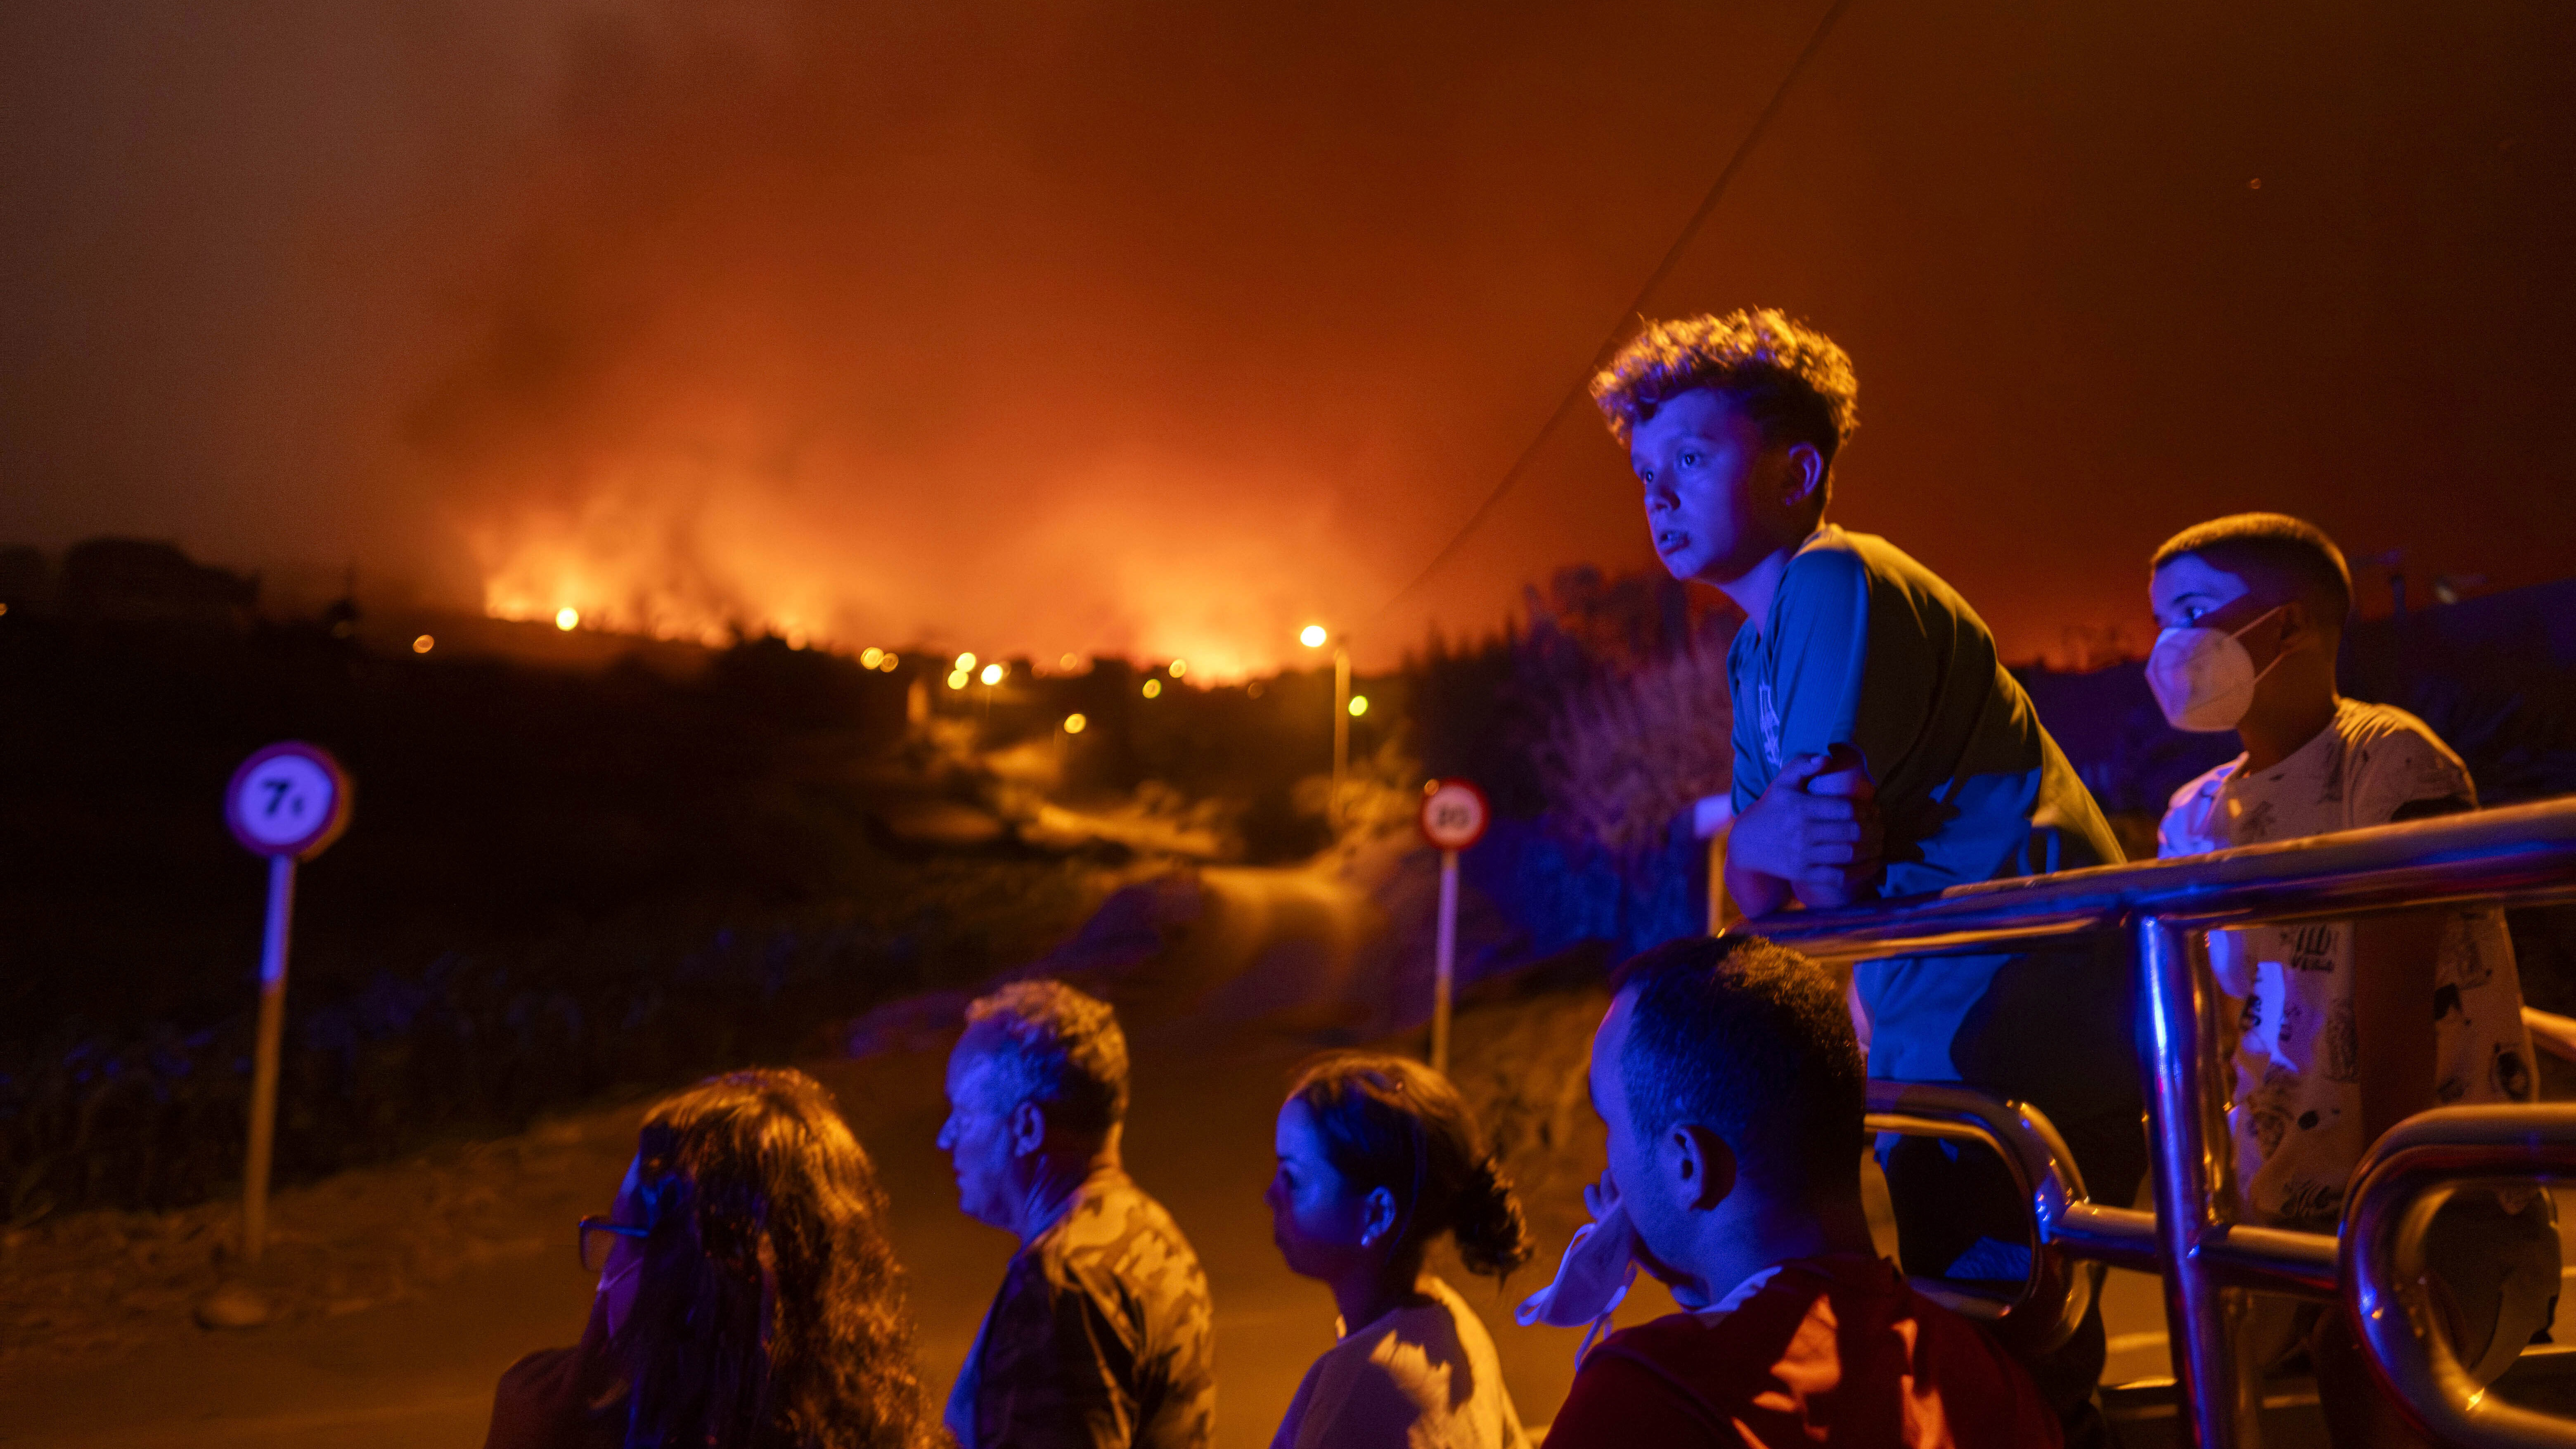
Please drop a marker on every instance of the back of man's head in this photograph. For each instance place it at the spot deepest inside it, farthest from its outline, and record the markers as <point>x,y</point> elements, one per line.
<point>1750,1041</point>
<point>1789,378</point>
<point>2273,551</point>
<point>1057,1047</point>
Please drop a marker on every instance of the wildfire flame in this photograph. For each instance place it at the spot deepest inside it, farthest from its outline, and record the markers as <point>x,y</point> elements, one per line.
<point>806,565</point>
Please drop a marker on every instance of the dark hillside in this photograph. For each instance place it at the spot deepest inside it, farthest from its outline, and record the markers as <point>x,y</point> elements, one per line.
<point>556,884</point>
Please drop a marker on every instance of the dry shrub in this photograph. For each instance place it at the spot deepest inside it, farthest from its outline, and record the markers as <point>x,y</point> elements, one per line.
<point>1627,686</point>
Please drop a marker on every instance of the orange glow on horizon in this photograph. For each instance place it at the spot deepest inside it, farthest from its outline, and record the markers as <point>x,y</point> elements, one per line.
<point>710,552</point>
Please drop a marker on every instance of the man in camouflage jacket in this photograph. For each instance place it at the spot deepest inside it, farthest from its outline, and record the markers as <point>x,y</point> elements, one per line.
<point>1101,1336</point>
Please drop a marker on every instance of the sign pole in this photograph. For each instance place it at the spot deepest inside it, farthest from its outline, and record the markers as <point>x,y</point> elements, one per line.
<point>272,1028</point>
<point>1454,815</point>
<point>1341,725</point>
<point>287,802</point>
<point>1445,971</point>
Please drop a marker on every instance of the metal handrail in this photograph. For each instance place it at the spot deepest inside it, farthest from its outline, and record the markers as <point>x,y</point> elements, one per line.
<point>2055,1295</point>
<point>2395,1193</point>
<point>2520,854</point>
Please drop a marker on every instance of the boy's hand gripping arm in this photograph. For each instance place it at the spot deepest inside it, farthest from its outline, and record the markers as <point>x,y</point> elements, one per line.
<point>1813,835</point>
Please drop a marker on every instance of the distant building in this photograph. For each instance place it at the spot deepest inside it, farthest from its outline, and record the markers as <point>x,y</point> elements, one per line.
<point>147,581</point>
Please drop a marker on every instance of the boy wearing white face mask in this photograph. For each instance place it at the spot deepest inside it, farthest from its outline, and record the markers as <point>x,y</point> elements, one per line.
<point>2345,1027</point>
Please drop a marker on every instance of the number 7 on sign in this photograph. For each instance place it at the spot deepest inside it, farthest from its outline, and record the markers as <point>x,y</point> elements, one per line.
<point>286,802</point>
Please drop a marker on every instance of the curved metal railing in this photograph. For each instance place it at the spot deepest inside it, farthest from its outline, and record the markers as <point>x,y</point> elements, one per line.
<point>2517,855</point>
<point>2069,1225</point>
<point>2399,1185</point>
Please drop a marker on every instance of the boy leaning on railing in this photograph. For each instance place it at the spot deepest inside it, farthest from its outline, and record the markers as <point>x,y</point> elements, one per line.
<point>1882,750</point>
<point>2342,1028</point>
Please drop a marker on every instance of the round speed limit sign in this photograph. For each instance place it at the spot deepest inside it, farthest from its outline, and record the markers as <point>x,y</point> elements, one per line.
<point>288,799</point>
<point>1454,814</point>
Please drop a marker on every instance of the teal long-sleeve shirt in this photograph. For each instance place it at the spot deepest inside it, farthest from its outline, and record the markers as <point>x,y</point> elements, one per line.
<point>1866,647</point>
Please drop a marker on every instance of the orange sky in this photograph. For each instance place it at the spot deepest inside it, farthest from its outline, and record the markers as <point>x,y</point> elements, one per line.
<point>1165,328</point>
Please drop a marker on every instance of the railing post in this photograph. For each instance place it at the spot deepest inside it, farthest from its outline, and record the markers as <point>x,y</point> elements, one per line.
<point>2186,1113</point>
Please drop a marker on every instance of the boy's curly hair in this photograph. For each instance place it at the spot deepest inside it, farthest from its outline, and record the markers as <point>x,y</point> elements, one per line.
<point>1791,379</point>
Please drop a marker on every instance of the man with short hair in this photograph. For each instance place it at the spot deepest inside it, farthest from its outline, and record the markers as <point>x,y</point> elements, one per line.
<point>1101,1335</point>
<point>1729,1080</point>
<point>1882,750</point>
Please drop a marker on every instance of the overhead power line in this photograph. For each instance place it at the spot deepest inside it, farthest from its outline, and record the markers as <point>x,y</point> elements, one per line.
<point>1581,391</point>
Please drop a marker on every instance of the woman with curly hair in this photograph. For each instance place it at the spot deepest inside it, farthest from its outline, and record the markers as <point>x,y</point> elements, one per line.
<point>748,1298</point>
<point>1379,1156</point>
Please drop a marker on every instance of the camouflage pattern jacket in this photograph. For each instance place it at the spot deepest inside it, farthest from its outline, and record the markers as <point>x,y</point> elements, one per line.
<point>1101,1337</point>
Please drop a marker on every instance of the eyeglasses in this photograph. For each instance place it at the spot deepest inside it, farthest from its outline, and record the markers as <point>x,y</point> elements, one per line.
<point>594,1235</point>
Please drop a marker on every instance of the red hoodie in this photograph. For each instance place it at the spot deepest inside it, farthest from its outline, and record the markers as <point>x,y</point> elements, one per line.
<point>1833,1350</point>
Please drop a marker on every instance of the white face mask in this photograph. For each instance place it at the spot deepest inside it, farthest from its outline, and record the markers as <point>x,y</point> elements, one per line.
<point>1599,1265</point>
<point>2204,678</point>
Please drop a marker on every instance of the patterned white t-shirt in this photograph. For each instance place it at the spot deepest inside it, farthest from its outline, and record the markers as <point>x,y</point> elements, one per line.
<point>2296,1112</point>
<point>1424,1377</point>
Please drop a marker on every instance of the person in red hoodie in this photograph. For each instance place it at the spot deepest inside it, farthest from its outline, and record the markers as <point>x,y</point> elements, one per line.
<point>1729,1078</point>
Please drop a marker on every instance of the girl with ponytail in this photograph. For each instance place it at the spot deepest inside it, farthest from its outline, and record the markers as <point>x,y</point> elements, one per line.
<point>1379,1156</point>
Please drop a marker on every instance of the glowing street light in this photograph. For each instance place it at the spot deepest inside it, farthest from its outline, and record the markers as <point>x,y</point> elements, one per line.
<point>1153,687</point>
<point>965,662</point>
<point>871,657</point>
<point>423,644</point>
<point>1344,707</point>
<point>1180,667</point>
<point>888,663</point>
<point>567,618</point>
<point>1358,705</point>
<point>1075,724</point>
<point>957,679</point>
<point>992,674</point>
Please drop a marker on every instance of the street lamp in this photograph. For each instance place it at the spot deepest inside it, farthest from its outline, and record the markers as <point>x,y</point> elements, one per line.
<point>1313,637</point>
<point>1074,724</point>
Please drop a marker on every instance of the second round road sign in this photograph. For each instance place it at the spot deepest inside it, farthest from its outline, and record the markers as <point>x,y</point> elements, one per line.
<point>1454,814</point>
